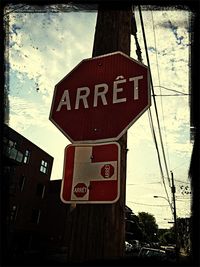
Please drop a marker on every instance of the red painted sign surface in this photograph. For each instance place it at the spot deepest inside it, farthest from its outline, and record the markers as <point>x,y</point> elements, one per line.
<point>91,173</point>
<point>100,98</point>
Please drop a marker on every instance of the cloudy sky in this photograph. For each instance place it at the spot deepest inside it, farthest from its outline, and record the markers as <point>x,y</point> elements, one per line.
<point>42,47</point>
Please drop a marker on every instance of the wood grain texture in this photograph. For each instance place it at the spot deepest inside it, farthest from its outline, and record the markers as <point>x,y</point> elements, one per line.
<point>97,231</point>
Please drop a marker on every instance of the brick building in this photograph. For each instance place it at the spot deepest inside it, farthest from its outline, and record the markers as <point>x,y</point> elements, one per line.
<point>56,216</point>
<point>37,220</point>
<point>26,172</point>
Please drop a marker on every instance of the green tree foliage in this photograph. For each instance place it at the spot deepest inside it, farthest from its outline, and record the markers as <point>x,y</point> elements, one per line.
<point>133,229</point>
<point>167,237</point>
<point>149,226</point>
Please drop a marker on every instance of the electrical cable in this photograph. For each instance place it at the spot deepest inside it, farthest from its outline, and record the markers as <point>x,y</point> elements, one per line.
<point>158,155</point>
<point>166,167</point>
<point>172,90</point>
<point>168,95</point>
<point>134,32</point>
<point>145,183</point>
<point>144,204</point>
<point>155,105</point>
<point>181,181</point>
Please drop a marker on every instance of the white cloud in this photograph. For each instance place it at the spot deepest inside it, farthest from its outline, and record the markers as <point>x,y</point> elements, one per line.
<point>49,51</point>
<point>25,113</point>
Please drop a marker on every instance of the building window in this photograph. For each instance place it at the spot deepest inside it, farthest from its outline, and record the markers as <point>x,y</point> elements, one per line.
<point>40,190</point>
<point>11,151</point>
<point>13,213</point>
<point>35,216</point>
<point>22,182</point>
<point>26,156</point>
<point>8,144</point>
<point>12,144</point>
<point>19,156</point>
<point>43,166</point>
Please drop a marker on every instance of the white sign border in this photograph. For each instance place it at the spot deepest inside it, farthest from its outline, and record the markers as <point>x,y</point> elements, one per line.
<point>90,201</point>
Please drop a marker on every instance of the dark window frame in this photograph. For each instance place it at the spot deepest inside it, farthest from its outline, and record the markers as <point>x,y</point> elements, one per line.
<point>22,181</point>
<point>27,156</point>
<point>44,166</point>
<point>13,213</point>
<point>35,216</point>
<point>40,190</point>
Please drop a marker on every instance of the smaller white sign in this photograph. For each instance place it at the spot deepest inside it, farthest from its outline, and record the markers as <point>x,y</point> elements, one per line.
<point>91,173</point>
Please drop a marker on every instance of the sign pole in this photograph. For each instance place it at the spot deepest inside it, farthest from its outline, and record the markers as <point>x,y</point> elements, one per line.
<point>97,231</point>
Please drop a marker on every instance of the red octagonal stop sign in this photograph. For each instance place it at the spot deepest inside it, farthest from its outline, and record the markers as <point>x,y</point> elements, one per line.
<point>101,98</point>
<point>80,190</point>
<point>107,171</point>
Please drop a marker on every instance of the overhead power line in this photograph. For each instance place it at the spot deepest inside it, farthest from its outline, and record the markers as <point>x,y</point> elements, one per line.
<point>166,167</point>
<point>138,52</point>
<point>149,111</point>
<point>145,204</point>
<point>172,90</point>
<point>154,35</point>
<point>157,117</point>
<point>145,183</point>
<point>134,32</point>
<point>179,181</point>
<point>158,154</point>
<point>168,95</point>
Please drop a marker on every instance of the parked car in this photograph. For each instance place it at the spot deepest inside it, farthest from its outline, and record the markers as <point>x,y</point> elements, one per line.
<point>155,245</point>
<point>152,253</point>
<point>144,244</point>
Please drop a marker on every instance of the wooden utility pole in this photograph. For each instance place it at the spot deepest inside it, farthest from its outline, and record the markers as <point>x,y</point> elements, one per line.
<point>175,218</point>
<point>97,231</point>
